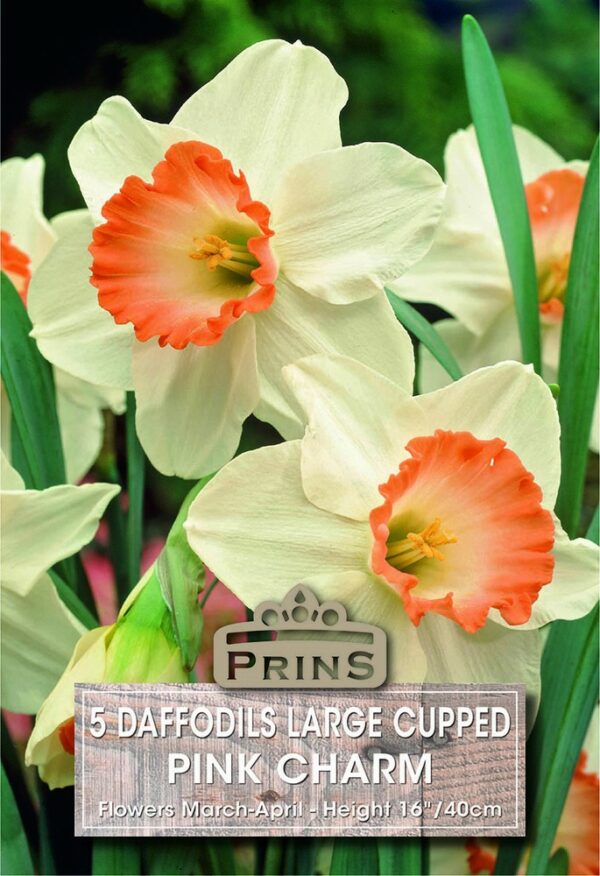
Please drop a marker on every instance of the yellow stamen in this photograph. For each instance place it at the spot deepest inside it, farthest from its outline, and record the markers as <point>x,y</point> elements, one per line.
<point>217,252</point>
<point>552,279</point>
<point>419,546</point>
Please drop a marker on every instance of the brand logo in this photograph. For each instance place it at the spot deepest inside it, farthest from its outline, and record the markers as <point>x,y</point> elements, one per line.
<point>300,643</point>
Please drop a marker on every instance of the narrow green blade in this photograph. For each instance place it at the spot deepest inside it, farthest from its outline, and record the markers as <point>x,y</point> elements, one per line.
<point>569,694</point>
<point>400,857</point>
<point>578,372</point>
<point>14,851</point>
<point>116,857</point>
<point>354,856</point>
<point>493,126</point>
<point>135,493</point>
<point>29,384</point>
<point>413,322</point>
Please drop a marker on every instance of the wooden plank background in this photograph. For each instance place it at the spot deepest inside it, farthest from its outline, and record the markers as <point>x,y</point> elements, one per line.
<point>133,771</point>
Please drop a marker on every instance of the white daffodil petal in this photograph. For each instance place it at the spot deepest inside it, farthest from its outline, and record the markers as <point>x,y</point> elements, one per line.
<point>369,600</point>
<point>60,520</point>
<point>80,392</point>
<point>115,144</point>
<point>497,344</point>
<point>38,637</point>
<point>574,588</point>
<point>359,423</point>
<point>448,857</point>
<point>348,220</point>
<point>469,205</point>
<point>523,414</point>
<point>298,325</point>
<point>465,273</point>
<point>71,329</point>
<point>256,530</point>
<point>81,430</point>
<point>44,749</point>
<point>10,477</point>
<point>272,106</point>
<point>491,655</point>
<point>21,184</point>
<point>535,156</point>
<point>191,403</point>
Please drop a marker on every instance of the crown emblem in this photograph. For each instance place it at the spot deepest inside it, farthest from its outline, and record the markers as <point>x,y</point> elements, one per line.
<point>298,643</point>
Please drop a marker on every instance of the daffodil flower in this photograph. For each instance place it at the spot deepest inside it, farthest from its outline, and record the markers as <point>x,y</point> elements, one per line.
<point>430,517</point>
<point>39,528</point>
<point>577,833</point>
<point>227,244</point>
<point>465,270</point>
<point>139,647</point>
<point>26,239</point>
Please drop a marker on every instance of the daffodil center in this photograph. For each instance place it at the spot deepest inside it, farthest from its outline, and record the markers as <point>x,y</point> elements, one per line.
<point>220,253</point>
<point>552,279</point>
<point>417,546</point>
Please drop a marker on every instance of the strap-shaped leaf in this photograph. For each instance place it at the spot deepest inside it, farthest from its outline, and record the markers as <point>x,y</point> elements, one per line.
<point>15,856</point>
<point>354,855</point>
<point>135,493</point>
<point>412,320</point>
<point>578,371</point>
<point>569,694</point>
<point>29,384</point>
<point>493,126</point>
<point>401,857</point>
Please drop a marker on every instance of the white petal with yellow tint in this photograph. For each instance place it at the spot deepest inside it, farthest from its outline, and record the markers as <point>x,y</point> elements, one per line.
<point>348,220</point>
<point>44,749</point>
<point>493,654</point>
<point>115,144</point>
<point>448,857</point>
<point>71,329</point>
<point>465,273</point>
<point>10,477</point>
<point>497,344</point>
<point>82,432</point>
<point>535,156</point>
<point>298,325</point>
<point>256,530</point>
<point>57,522</point>
<point>368,599</point>
<point>21,185</point>
<point>575,585</point>
<point>191,403</point>
<point>271,107</point>
<point>507,401</point>
<point>38,637</point>
<point>469,203</point>
<point>359,424</point>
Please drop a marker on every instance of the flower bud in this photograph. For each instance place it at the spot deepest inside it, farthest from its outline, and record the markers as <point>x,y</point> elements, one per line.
<point>139,648</point>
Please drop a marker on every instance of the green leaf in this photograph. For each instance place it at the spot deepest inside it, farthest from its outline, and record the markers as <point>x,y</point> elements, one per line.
<point>578,370</point>
<point>181,576</point>
<point>493,127</point>
<point>569,693</point>
<point>176,856</point>
<point>559,863</point>
<point>400,857</point>
<point>116,857</point>
<point>135,495</point>
<point>220,857</point>
<point>14,851</point>
<point>73,602</point>
<point>29,384</point>
<point>412,320</point>
<point>356,856</point>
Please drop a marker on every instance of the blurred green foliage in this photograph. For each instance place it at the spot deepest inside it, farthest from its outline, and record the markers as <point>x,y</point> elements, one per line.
<point>401,60</point>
